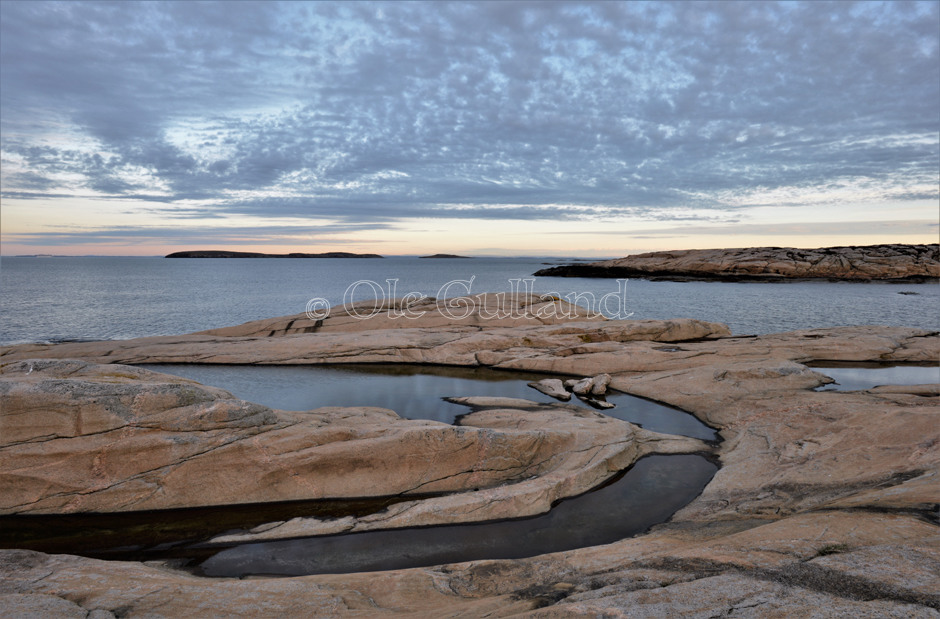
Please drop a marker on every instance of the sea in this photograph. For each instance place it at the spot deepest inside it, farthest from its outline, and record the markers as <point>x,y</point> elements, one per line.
<point>50,299</point>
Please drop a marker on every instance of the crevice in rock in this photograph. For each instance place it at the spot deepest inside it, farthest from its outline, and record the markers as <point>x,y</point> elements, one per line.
<point>928,513</point>
<point>804,575</point>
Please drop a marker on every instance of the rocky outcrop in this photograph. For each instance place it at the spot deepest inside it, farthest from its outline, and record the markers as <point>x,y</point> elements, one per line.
<point>898,263</point>
<point>825,503</point>
<point>457,343</point>
<point>581,387</point>
<point>480,311</point>
<point>588,461</point>
<point>79,437</point>
<point>552,387</point>
<point>592,385</point>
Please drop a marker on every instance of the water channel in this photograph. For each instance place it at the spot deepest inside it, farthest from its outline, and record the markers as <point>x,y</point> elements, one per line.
<point>646,494</point>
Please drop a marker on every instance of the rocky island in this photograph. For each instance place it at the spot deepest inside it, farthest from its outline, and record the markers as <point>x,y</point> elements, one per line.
<point>210,253</point>
<point>824,502</point>
<point>888,263</point>
<point>438,256</point>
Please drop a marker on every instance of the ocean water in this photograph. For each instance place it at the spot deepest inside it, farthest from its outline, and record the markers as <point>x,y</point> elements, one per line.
<point>51,299</point>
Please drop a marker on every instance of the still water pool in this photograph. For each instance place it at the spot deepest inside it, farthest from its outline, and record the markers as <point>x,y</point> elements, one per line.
<point>868,376</point>
<point>645,495</point>
<point>412,391</point>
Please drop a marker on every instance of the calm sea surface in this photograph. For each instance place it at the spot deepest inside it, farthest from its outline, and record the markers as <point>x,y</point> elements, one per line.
<point>43,299</point>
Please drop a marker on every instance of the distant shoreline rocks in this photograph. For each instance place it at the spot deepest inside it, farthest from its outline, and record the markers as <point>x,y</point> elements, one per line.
<point>436,256</point>
<point>201,253</point>
<point>882,263</point>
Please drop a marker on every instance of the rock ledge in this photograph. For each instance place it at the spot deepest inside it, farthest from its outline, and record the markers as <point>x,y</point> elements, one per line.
<point>890,263</point>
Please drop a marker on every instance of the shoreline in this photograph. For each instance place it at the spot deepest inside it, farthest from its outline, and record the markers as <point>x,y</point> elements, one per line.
<point>813,484</point>
<point>601,272</point>
<point>898,264</point>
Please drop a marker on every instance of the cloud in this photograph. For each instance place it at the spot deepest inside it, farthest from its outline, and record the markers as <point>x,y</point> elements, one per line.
<point>174,235</point>
<point>383,111</point>
<point>800,229</point>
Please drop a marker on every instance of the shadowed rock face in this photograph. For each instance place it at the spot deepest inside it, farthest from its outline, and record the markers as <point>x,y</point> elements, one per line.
<point>826,501</point>
<point>911,263</point>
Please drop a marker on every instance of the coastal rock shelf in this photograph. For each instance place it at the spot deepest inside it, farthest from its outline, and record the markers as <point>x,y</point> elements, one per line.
<point>80,437</point>
<point>482,336</point>
<point>824,499</point>
<point>891,263</point>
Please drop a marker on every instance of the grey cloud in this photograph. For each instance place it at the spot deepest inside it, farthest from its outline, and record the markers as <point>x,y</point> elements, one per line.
<point>787,229</point>
<point>394,110</point>
<point>174,235</point>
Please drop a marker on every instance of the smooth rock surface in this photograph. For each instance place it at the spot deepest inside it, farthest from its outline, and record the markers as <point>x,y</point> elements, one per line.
<point>552,387</point>
<point>485,310</point>
<point>868,263</point>
<point>826,503</point>
<point>454,344</point>
<point>79,437</point>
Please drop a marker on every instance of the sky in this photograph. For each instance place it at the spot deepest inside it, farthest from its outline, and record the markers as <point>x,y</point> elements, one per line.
<point>490,128</point>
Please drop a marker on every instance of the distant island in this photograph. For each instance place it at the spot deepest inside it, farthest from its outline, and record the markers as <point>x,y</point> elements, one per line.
<point>206,253</point>
<point>885,263</point>
<point>445,256</point>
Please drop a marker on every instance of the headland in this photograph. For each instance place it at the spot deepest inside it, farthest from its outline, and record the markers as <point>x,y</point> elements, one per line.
<point>872,263</point>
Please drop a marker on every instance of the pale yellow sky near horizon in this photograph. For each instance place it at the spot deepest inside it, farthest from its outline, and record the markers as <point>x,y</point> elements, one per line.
<point>799,226</point>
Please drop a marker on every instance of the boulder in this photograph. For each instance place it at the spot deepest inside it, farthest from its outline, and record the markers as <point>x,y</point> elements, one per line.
<point>552,387</point>
<point>583,386</point>
<point>599,384</point>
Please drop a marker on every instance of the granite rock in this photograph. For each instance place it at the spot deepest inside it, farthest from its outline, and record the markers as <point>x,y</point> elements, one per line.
<point>80,437</point>
<point>825,503</point>
<point>914,263</point>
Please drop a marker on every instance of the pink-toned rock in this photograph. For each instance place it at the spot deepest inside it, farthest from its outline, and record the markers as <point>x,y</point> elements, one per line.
<point>868,263</point>
<point>825,503</point>
<point>552,387</point>
<point>77,437</point>
<point>456,344</point>
<point>481,311</point>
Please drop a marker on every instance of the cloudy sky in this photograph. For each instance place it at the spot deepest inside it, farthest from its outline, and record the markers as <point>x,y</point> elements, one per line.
<point>539,128</point>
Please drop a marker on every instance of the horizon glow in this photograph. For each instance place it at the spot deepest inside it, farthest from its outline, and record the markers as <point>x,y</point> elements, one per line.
<point>476,128</point>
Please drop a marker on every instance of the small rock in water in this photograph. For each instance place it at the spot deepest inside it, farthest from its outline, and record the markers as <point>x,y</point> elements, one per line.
<point>583,386</point>
<point>601,404</point>
<point>600,384</point>
<point>552,387</point>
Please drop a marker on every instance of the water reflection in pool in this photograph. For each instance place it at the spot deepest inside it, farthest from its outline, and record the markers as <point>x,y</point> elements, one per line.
<point>861,377</point>
<point>413,391</point>
<point>649,493</point>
